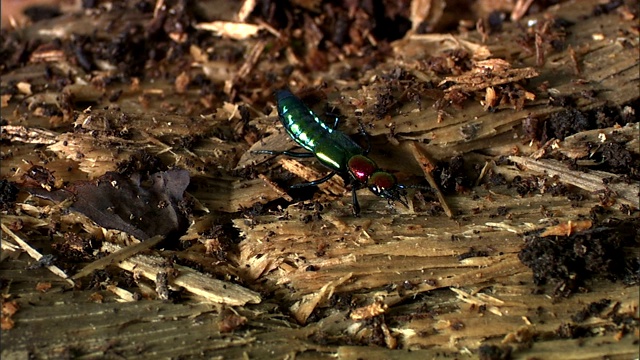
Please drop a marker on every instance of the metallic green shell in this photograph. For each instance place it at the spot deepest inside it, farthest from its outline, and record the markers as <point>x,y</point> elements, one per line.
<point>332,148</point>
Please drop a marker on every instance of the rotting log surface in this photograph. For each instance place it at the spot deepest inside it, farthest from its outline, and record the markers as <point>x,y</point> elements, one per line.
<point>448,286</point>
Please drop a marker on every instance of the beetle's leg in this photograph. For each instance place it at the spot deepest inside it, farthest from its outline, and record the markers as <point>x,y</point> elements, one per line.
<point>314,182</point>
<point>288,153</point>
<point>354,200</point>
<point>399,194</point>
<point>335,123</point>
<point>329,114</point>
<point>402,200</point>
<point>364,133</point>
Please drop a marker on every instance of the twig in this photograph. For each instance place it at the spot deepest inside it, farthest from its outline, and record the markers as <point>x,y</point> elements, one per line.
<point>427,167</point>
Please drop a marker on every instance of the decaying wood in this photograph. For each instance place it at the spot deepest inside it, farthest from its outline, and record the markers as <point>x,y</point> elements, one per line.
<point>118,256</point>
<point>33,253</point>
<point>429,284</point>
<point>427,167</point>
<point>210,289</point>
<point>577,146</point>
<point>333,186</point>
<point>395,249</point>
<point>592,181</point>
<point>614,78</point>
<point>283,194</point>
<point>230,195</point>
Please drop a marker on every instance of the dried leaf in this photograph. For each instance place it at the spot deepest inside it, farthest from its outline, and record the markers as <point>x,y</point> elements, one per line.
<point>116,202</point>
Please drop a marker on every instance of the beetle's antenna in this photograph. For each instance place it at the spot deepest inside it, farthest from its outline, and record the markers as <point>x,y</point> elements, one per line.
<point>402,186</point>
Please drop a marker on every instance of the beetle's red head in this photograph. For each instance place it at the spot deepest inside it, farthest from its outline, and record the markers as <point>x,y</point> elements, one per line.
<point>385,185</point>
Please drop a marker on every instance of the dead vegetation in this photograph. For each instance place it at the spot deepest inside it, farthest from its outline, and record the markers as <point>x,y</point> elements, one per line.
<point>134,212</point>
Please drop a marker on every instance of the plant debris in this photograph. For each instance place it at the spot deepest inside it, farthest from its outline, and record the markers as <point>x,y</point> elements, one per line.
<point>8,194</point>
<point>505,119</point>
<point>571,261</point>
<point>140,207</point>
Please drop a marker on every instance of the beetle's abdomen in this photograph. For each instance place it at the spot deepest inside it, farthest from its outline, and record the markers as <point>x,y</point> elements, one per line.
<point>333,148</point>
<point>302,124</point>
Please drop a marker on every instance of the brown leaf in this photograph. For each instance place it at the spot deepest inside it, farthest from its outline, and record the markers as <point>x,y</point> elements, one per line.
<point>140,208</point>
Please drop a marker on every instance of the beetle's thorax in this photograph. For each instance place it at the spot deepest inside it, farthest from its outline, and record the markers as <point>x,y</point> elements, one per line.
<point>361,168</point>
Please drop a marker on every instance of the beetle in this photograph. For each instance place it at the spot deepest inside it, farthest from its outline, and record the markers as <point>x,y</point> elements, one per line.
<point>335,150</point>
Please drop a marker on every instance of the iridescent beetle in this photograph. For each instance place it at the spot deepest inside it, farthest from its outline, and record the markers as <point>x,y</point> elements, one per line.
<point>335,150</point>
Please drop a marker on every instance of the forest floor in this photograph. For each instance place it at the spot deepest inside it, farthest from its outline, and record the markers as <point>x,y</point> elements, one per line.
<point>137,222</point>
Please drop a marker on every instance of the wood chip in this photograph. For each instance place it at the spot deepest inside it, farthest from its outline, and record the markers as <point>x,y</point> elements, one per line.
<point>118,256</point>
<point>568,228</point>
<point>275,187</point>
<point>369,311</point>
<point>478,78</point>
<point>246,9</point>
<point>213,290</point>
<point>303,308</point>
<point>28,135</point>
<point>232,30</point>
<point>334,186</point>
